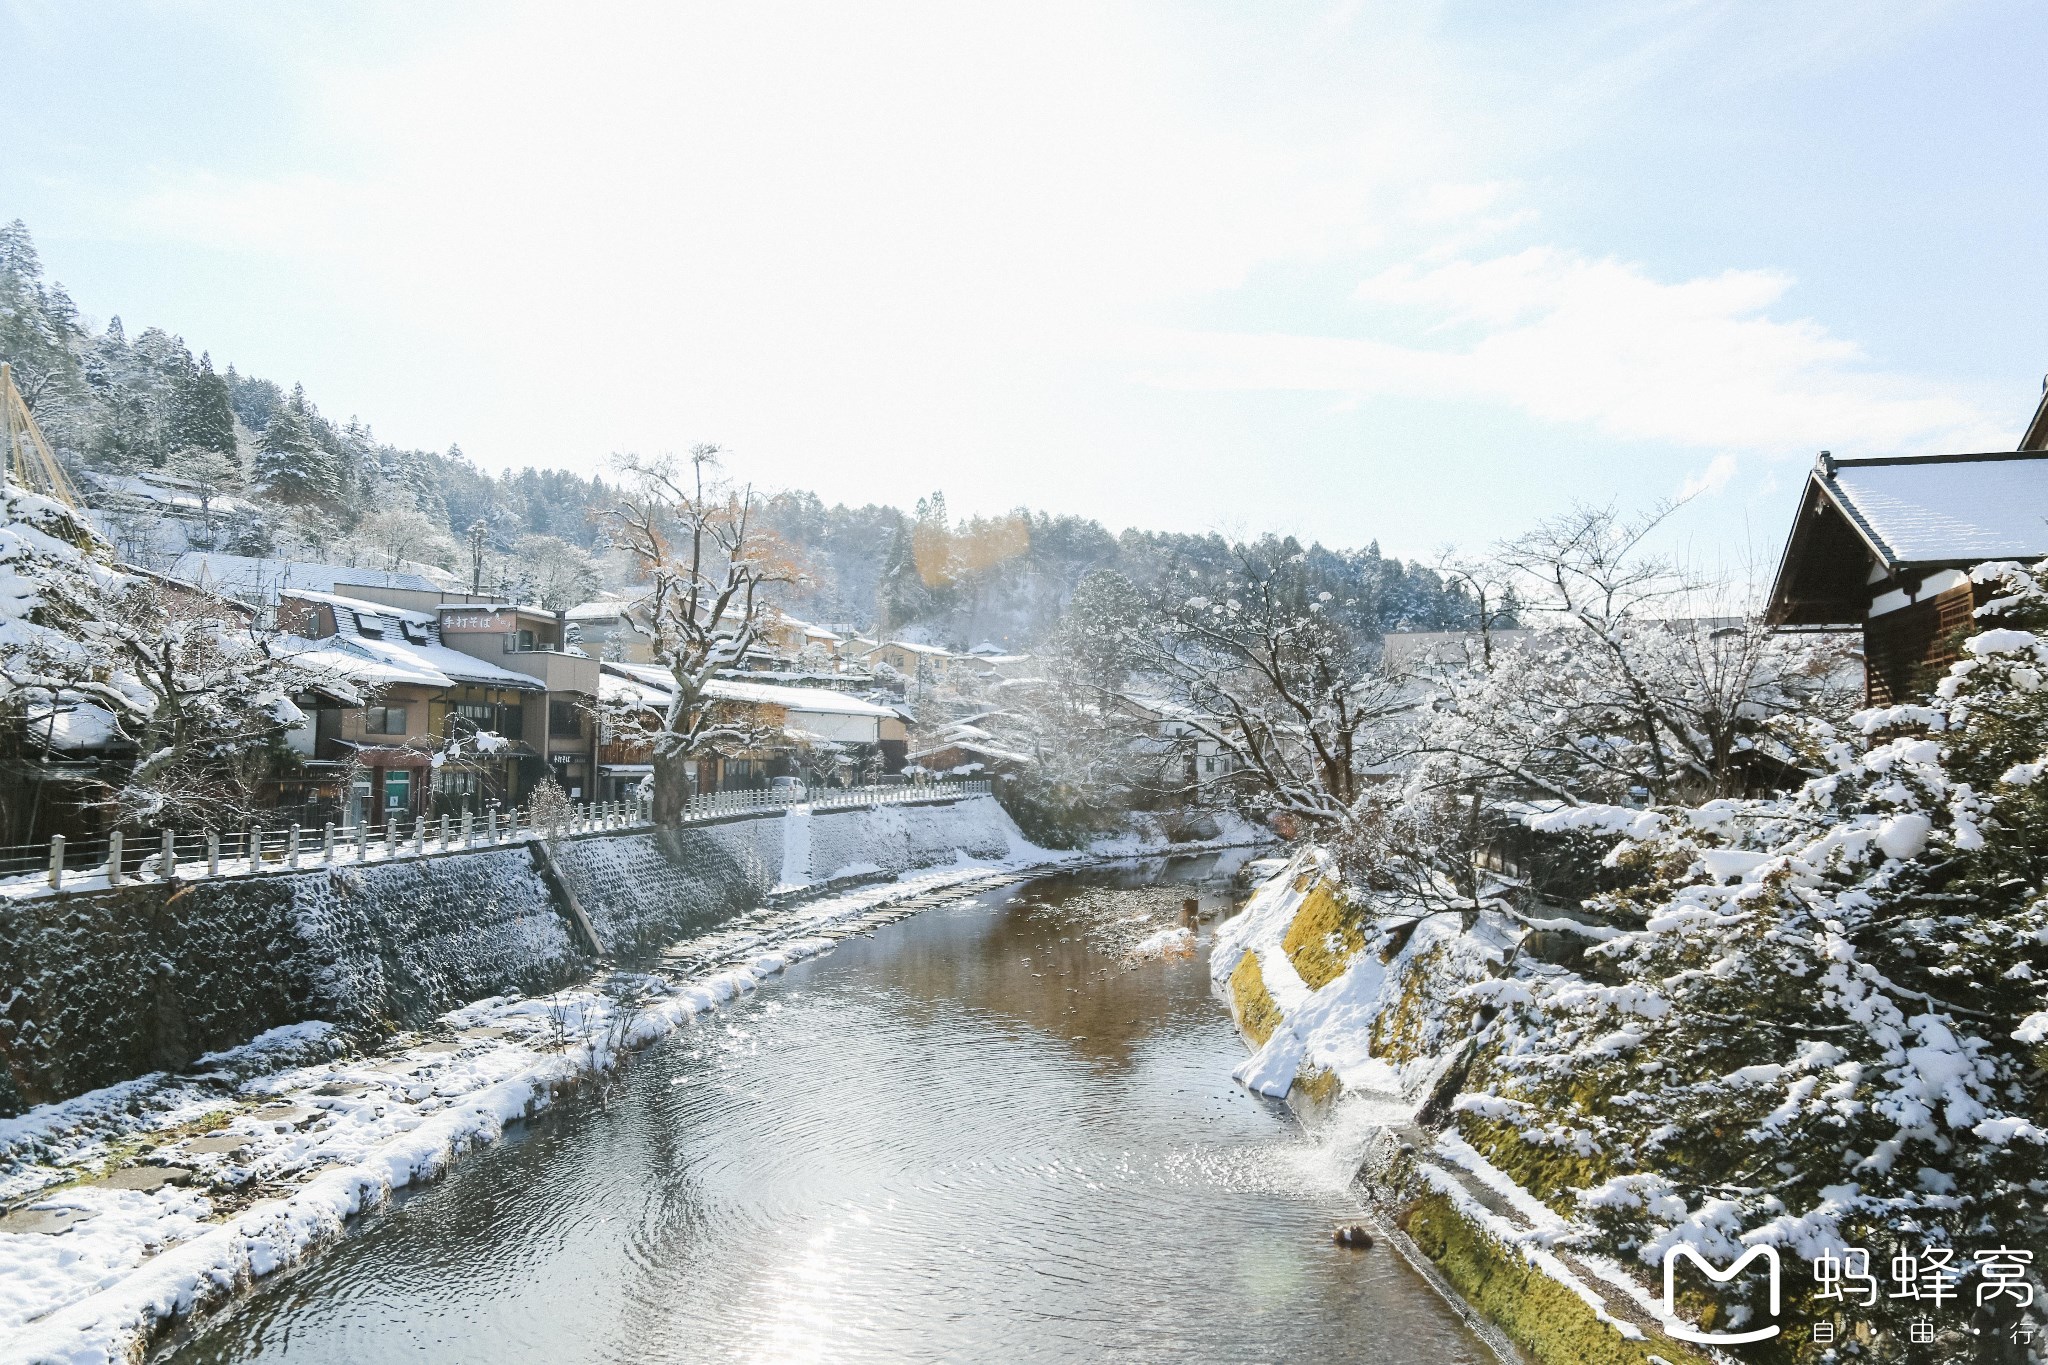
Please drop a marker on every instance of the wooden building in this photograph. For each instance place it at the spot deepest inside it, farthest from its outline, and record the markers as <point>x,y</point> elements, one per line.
<point>1886,545</point>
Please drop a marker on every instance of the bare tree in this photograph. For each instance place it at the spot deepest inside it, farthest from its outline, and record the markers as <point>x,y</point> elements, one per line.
<point>1651,684</point>
<point>1263,667</point>
<point>707,563</point>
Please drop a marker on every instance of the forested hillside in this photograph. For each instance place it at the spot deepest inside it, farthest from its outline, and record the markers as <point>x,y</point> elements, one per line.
<point>294,480</point>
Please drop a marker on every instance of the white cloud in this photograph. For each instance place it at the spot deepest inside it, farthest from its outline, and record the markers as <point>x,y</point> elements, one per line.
<point>1712,479</point>
<point>1598,342</point>
<point>884,248</point>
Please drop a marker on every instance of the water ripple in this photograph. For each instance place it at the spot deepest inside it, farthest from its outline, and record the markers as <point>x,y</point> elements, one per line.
<point>976,1135</point>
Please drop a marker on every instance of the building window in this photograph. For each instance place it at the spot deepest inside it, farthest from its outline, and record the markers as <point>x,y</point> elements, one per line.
<point>565,720</point>
<point>476,715</point>
<point>384,720</point>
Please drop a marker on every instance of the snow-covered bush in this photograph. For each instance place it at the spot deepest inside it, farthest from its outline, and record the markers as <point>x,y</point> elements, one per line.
<point>1825,1020</point>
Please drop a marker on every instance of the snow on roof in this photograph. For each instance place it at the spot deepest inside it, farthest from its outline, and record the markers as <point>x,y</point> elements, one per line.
<point>988,751</point>
<point>624,691</point>
<point>916,648</point>
<point>603,609</point>
<point>813,699</point>
<point>1947,508</point>
<point>816,700</point>
<point>260,580</point>
<point>357,604</point>
<point>74,728</point>
<point>384,661</point>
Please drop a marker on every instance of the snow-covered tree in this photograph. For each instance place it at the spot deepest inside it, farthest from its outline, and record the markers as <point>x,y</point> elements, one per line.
<point>1820,1020</point>
<point>707,564</point>
<point>553,573</point>
<point>1648,685</point>
<point>179,678</point>
<point>1267,667</point>
<point>201,417</point>
<point>394,534</point>
<point>290,464</point>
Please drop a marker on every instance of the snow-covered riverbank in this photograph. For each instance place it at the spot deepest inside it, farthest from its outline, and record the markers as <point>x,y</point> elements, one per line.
<point>251,1160</point>
<point>267,1154</point>
<point>1368,1036</point>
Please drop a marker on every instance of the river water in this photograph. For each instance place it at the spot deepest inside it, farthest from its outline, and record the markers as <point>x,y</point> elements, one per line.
<point>981,1133</point>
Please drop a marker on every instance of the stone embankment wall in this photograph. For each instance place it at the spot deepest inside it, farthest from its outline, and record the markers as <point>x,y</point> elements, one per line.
<point>103,985</point>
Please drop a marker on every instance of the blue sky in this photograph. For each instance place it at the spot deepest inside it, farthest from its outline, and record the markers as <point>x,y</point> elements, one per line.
<point>1408,272</point>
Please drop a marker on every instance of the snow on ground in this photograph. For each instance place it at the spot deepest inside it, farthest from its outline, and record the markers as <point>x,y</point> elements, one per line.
<point>1175,942</point>
<point>1332,1028</point>
<point>321,1141</point>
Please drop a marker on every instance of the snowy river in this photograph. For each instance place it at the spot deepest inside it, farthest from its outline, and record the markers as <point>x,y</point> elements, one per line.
<point>981,1133</point>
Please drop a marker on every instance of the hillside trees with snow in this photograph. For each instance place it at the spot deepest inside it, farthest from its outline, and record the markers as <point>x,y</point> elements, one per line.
<point>181,682</point>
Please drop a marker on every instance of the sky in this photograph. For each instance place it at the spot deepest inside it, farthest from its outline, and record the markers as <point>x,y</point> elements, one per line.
<point>1406,272</point>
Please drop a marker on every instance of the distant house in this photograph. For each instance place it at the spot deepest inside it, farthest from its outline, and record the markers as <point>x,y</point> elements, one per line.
<point>922,666</point>
<point>461,652</point>
<point>609,628</point>
<point>811,732</point>
<point>375,762</point>
<point>1884,546</point>
<point>1177,736</point>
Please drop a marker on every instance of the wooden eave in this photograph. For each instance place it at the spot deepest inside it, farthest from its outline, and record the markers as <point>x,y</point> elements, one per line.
<point>2036,437</point>
<point>1822,580</point>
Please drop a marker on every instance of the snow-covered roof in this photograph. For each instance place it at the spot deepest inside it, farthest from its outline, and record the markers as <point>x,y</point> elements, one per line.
<point>985,751</point>
<point>386,646</point>
<point>623,691</point>
<point>1946,508</point>
<point>936,651</point>
<point>816,700</point>
<point>603,609</point>
<point>75,728</point>
<point>260,580</point>
<point>813,699</point>
<point>360,605</point>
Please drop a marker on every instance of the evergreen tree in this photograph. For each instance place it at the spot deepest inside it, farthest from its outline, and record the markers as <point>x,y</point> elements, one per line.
<point>201,415</point>
<point>289,462</point>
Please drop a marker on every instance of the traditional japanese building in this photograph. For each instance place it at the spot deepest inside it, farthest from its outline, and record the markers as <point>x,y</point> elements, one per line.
<point>1885,546</point>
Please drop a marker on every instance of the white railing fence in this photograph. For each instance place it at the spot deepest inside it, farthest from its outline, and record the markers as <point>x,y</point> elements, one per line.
<point>194,855</point>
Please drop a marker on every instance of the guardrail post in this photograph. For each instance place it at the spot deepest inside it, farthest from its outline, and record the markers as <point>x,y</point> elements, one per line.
<point>327,842</point>
<point>213,853</point>
<point>468,825</point>
<point>363,841</point>
<point>114,858</point>
<point>444,831</point>
<point>167,865</point>
<point>491,825</point>
<point>390,837</point>
<point>291,848</point>
<point>57,862</point>
<point>419,836</point>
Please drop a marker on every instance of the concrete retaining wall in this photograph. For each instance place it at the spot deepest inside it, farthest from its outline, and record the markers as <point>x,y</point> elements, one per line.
<point>103,985</point>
